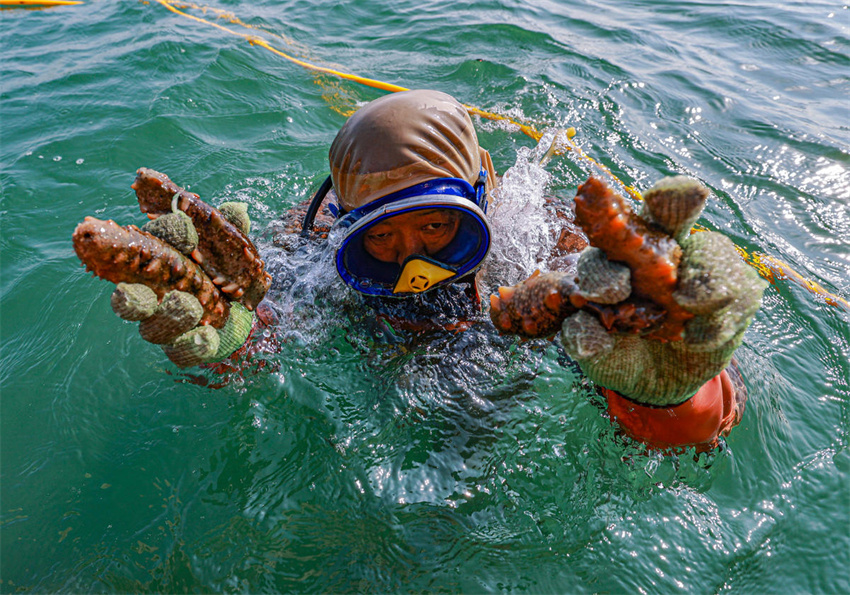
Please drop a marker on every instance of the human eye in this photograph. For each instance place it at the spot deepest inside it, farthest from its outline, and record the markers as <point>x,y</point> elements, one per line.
<point>434,226</point>
<point>378,236</point>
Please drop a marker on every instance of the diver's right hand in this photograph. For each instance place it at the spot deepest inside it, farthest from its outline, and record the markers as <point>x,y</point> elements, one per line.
<point>173,324</point>
<point>651,312</point>
<point>193,322</point>
<point>708,293</point>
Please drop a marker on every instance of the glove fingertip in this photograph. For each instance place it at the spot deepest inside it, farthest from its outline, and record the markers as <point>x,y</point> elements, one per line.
<point>178,313</point>
<point>235,331</point>
<point>584,337</point>
<point>133,301</point>
<point>675,203</point>
<point>237,213</point>
<point>175,229</point>
<point>194,347</point>
<point>601,280</point>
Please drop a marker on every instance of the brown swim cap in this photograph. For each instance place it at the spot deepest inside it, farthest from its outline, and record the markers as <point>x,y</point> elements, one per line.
<point>404,139</point>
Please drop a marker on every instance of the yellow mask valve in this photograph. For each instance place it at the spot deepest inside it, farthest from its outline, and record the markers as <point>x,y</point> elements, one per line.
<point>419,274</point>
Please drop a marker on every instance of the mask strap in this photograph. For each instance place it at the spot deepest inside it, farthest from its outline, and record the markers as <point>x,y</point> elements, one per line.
<point>313,209</point>
<point>480,188</point>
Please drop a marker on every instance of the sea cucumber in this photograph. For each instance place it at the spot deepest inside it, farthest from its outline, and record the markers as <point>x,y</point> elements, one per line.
<point>538,306</point>
<point>226,254</point>
<point>653,256</point>
<point>130,255</point>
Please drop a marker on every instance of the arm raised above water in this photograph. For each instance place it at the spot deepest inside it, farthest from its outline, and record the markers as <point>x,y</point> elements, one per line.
<point>652,312</point>
<point>195,318</point>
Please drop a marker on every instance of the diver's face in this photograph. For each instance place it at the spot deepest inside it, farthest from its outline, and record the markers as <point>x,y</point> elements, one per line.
<point>416,232</point>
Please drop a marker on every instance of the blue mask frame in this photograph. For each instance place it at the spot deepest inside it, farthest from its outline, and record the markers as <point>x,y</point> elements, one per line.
<point>364,273</point>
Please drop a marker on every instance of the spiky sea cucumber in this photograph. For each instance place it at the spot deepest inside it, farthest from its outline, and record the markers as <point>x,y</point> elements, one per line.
<point>130,255</point>
<point>226,254</point>
<point>537,306</point>
<point>653,256</point>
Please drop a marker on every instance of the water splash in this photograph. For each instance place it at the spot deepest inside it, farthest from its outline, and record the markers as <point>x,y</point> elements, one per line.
<point>306,292</point>
<point>522,235</point>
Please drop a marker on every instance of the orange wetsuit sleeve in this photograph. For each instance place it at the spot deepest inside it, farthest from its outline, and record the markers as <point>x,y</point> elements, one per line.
<point>700,421</point>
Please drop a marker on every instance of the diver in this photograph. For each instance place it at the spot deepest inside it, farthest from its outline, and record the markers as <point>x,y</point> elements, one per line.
<point>410,187</point>
<point>408,198</point>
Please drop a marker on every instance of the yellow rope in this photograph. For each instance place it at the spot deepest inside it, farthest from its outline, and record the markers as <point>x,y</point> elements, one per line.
<point>374,83</point>
<point>578,151</point>
<point>784,271</point>
<point>767,266</point>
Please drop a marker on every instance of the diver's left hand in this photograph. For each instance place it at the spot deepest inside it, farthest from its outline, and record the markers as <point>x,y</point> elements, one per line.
<point>653,312</point>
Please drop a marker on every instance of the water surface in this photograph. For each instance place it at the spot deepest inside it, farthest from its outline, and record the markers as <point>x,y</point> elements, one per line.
<point>442,462</point>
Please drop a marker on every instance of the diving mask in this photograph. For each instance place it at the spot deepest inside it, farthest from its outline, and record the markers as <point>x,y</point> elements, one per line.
<point>419,272</point>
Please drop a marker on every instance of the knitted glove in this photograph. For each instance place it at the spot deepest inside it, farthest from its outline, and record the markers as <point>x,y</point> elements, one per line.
<point>173,322</point>
<point>709,297</point>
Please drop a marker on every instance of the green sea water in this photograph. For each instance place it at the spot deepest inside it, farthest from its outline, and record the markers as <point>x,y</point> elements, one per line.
<point>353,461</point>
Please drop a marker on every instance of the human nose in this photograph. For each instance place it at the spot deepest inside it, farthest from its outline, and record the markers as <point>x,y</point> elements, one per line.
<point>410,244</point>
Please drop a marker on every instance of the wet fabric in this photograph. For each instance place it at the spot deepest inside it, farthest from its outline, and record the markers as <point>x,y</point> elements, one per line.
<point>449,307</point>
<point>402,139</point>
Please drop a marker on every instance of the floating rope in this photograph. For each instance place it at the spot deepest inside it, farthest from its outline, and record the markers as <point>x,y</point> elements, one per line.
<point>173,5</point>
<point>767,266</point>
